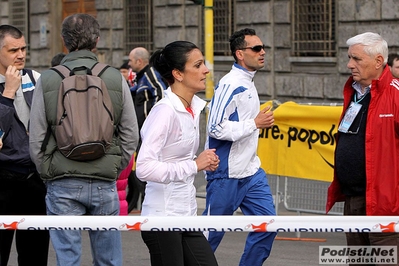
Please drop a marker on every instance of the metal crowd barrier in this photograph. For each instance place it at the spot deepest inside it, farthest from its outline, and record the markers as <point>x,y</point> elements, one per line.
<point>304,195</point>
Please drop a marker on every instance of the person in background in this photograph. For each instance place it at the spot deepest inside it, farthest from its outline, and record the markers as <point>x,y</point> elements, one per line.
<point>121,185</point>
<point>56,60</point>
<point>127,73</point>
<point>123,179</point>
<point>22,192</point>
<point>82,187</point>
<point>167,160</point>
<point>148,89</point>
<point>393,63</point>
<point>124,69</point>
<point>233,130</point>
<point>366,168</point>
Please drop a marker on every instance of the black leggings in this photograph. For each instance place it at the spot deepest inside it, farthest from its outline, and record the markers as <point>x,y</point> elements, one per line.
<point>179,249</point>
<point>23,197</point>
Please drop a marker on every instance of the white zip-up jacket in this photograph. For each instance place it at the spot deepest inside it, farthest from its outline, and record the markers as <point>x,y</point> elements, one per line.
<point>231,125</point>
<point>170,140</point>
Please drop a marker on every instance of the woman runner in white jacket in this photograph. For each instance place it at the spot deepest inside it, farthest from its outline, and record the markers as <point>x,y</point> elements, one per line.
<point>167,160</point>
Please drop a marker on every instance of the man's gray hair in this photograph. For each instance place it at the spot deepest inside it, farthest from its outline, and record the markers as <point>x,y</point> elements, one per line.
<point>80,32</point>
<point>9,30</point>
<point>373,44</point>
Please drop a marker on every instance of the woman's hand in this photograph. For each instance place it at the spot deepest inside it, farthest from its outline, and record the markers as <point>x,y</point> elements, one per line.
<point>207,160</point>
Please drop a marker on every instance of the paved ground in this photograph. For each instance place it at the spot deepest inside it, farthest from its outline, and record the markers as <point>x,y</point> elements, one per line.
<point>288,249</point>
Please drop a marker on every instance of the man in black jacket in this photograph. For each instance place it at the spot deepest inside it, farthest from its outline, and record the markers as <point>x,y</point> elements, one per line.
<point>147,90</point>
<point>21,190</point>
<point>148,87</point>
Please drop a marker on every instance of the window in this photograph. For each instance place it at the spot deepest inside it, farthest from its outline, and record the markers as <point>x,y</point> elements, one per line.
<point>138,25</point>
<point>314,28</point>
<point>223,19</point>
<point>18,10</point>
<point>19,15</point>
<point>70,7</point>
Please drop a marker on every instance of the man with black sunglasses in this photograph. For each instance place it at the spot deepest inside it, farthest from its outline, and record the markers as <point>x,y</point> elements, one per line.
<point>255,48</point>
<point>233,130</point>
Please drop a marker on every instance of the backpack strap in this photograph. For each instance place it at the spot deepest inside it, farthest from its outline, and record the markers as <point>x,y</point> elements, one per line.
<point>98,69</point>
<point>63,72</point>
<point>30,74</point>
<point>46,139</point>
<point>28,95</point>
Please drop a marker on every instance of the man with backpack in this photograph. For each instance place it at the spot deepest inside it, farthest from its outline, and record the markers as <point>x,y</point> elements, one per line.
<point>22,191</point>
<point>81,175</point>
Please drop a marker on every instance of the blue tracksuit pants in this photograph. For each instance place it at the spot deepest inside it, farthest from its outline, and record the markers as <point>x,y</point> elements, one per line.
<point>253,196</point>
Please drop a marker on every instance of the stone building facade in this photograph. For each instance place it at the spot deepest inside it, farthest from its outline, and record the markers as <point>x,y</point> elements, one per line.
<point>307,77</point>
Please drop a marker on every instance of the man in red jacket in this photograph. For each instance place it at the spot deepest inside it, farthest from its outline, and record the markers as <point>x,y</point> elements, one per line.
<point>366,174</point>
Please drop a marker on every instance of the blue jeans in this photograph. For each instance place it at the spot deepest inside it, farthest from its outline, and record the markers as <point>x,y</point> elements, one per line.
<point>81,196</point>
<point>252,194</point>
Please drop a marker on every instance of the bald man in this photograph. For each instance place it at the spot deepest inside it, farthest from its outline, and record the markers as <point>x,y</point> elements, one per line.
<point>148,89</point>
<point>149,86</point>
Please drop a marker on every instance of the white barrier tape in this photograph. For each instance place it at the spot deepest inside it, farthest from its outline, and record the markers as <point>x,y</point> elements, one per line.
<point>205,223</point>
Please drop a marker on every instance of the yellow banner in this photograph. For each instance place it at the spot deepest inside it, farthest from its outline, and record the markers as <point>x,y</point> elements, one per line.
<point>301,142</point>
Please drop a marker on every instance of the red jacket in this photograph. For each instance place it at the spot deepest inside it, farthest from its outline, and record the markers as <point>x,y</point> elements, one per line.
<point>381,147</point>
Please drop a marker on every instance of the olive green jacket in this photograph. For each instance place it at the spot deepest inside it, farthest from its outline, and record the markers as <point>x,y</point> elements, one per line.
<point>51,164</point>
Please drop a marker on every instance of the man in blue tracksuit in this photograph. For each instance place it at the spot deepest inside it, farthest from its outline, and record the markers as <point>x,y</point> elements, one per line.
<point>233,130</point>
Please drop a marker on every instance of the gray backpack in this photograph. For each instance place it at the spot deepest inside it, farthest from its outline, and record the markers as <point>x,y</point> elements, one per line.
<point>85,117</point>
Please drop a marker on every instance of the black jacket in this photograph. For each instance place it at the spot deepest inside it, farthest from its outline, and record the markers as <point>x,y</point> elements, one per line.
<point>14,156</point>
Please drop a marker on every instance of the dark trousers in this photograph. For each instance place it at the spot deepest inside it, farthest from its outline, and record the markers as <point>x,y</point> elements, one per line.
<point>136,188</point>
<point>178,249</point>
<point>357,206</point>
<point>21,196</point>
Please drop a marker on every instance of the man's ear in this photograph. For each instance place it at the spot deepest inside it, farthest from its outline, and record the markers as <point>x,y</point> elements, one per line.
<point>239,54</point>
<point>63,43</point>
<point>379,59</point>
